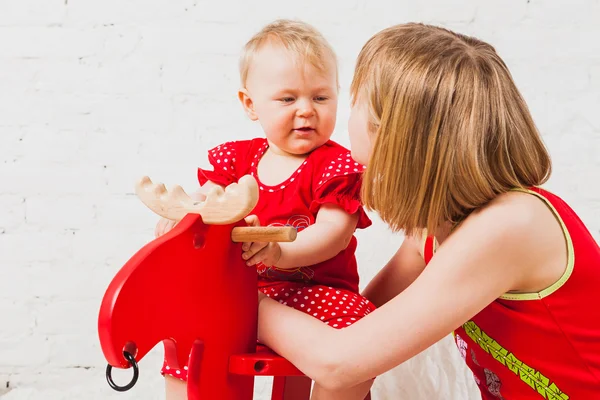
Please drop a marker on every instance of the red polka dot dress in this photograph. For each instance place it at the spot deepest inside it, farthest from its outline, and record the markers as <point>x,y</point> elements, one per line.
<point>327,291</point>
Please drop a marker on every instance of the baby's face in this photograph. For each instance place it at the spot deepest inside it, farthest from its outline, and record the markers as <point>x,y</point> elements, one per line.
<point>295,102</point>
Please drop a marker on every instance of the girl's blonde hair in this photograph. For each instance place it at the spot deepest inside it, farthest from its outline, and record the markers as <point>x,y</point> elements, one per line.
<point>451,130</point>
<point>298,37</point>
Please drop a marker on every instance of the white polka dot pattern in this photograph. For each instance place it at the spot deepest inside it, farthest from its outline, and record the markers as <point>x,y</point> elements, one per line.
<point>341,166</point>
<point>224,157</point>
<point>329,302</point>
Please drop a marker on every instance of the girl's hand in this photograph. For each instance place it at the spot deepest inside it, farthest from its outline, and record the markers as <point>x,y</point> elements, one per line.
<point>163,226</point>
<point>260,252</point>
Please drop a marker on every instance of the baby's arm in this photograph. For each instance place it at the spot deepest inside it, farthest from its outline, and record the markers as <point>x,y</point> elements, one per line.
<point>330,234</point>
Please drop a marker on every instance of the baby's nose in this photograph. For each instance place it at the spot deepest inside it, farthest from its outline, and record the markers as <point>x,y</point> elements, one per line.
<point>305,109</point>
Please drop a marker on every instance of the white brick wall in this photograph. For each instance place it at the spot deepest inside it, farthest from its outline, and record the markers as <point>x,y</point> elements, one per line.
<point>97,93</point>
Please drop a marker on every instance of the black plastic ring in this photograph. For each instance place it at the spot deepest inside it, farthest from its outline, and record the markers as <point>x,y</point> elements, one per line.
<point>136,373</point>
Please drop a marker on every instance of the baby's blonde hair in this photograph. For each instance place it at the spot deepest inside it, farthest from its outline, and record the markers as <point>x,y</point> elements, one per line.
<point>298,37</point>
<point>451,131</point>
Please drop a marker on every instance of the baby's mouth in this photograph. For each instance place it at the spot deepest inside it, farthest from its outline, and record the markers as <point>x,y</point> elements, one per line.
<point>305,129</point>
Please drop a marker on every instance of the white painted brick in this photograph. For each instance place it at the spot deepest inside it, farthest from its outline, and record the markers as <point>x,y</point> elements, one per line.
<point>71,281</point>
<point>71,349</point>
<point>204,77</point>
<point>54,145</point>
<point>578,12</point>
<point>53,41</point>
<point>77,318</point>
<point>21,249</point>
<point>83,112</point>
<point>18,320</point>
<point>109,12</point>
<point>31,12</point>
<point>18,74</point>
<point>594,75</point>
<point>548,44</point>
<point>12,212</point>
<point>441,12</point>
<point>32,178</point>
<point>25,351</point>
<point>124,212</point>
<point>173,41</point>
<point>92,74</point>
<point>60,212</point>
<point>11,285</point>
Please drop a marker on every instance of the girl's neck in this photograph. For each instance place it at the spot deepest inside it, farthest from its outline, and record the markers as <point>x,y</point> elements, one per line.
<point>443,231</point>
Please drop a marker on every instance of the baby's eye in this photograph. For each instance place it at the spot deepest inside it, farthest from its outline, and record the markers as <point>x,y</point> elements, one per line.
<point>321,98</point>
<point>286,99</point>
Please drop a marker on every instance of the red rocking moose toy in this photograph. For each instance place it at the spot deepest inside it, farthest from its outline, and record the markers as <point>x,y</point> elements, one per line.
<point>191,263</point>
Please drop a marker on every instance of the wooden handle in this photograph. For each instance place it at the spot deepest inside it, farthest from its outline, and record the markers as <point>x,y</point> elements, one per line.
<point>263,234</point>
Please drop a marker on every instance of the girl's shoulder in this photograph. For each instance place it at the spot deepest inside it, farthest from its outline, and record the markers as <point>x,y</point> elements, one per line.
<point>514,212</point>
<point>523,229</point>
<point>513,221</point>
<point>507,212</point>
<point>518,207</point>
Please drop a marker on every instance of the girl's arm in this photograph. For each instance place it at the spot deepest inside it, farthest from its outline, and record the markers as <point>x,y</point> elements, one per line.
<point>330,234</point>
<point>402,269</point>
<point>492,252</point>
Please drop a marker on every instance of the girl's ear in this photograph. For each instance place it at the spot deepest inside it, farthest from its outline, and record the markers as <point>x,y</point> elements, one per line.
<point>247,103</point>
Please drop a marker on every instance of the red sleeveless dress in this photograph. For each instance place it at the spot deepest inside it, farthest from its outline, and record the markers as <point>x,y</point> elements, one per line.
<point>542,345</point>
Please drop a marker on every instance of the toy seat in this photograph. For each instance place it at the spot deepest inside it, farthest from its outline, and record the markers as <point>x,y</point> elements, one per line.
<point>191,290</point>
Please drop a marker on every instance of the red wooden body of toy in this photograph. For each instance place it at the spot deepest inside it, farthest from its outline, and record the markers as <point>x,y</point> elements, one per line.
<point>212,330</point>
<point>192,263</point>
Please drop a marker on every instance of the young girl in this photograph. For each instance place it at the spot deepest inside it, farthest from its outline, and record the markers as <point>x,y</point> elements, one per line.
<point>454,157</point>
<point>289,84</point>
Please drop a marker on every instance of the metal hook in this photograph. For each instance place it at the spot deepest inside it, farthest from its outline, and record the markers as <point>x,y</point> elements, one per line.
<point>136,372</point>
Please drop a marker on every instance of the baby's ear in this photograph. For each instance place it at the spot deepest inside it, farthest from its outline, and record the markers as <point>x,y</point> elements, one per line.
<point>247,103</point>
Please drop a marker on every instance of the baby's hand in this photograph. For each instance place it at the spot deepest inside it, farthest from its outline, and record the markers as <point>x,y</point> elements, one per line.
<point>163,226</point>
<point>256,252</point>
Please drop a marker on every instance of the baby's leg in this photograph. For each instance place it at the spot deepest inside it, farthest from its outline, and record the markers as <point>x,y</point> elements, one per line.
<point>176,389</point>
<point>175,382</point>
<point>338,308</point>
<point>358,392</point>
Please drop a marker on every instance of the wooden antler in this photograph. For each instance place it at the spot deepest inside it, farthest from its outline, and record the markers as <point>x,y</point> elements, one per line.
<point>220,207</point>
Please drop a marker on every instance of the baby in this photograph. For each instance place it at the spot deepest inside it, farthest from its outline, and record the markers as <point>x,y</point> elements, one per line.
<point>289,84</point>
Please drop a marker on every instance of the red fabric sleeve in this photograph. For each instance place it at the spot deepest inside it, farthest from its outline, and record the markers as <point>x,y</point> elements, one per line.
<point>223,160</point>
<point>343,191</point>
